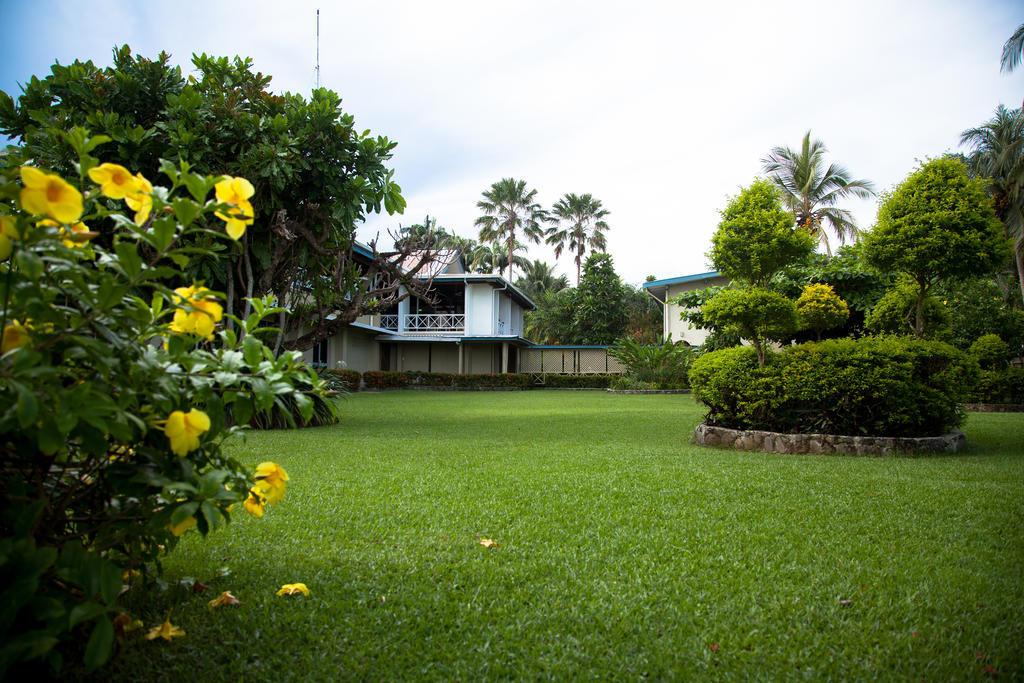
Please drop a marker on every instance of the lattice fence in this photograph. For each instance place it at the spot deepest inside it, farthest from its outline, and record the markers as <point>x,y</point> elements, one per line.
<point>568,360</point>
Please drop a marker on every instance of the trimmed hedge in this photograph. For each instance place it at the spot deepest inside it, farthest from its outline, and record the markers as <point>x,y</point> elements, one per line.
<point>341,380</point>
<point>878,386</point>
<point>374,379</point>
<point>1005,385</point>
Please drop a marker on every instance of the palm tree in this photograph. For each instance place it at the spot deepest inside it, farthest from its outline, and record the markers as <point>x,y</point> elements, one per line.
<point>538,277</point>
<point>489,258</point>
<point>510,210</point>
<point>811,190</point>
<point>997,153</point>
<point>425,235</point>
<point>1013,49</point>
<point>584,223</point>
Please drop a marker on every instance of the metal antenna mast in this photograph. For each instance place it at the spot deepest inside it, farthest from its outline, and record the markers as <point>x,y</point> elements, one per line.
<point>318,48</point>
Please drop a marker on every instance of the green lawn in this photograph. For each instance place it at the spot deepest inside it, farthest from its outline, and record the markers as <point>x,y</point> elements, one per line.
<point>625,551</point>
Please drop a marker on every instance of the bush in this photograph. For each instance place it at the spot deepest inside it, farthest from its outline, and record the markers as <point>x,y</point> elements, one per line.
<point>378,379</point>
<point>578,381</point>
<point>119,387</point>
<point>997,381</point>
<point>341,381</point>
<point>658,367</point>
<point>879,386</point>
<point>895,313</point>
<point>991,352</point>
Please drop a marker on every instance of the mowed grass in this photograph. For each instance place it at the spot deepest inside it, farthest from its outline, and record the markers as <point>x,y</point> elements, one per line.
<point>625,552</point>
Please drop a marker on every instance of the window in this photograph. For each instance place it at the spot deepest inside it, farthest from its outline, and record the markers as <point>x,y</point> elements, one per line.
<point>320,354</point>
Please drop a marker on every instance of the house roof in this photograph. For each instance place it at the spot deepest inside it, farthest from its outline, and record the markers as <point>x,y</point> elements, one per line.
<point>659,288</point>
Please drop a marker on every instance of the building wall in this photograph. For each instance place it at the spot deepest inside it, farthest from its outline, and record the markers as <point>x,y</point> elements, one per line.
<point>479,311</point>
<point>673,325</point>
<point>357,349</point>
<point>479,358</point>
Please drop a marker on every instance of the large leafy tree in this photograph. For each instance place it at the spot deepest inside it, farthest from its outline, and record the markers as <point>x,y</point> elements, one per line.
<point>937,225</point>
<point>510,211</point>
<point>581,225</point>
<point>316,177</point>
<point>600,315</point>
<point>997,153</point>
<point>811,188</point>
<point>756,237</point>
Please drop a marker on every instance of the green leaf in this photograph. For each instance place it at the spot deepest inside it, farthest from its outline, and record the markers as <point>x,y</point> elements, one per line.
<point>186,210</point>
<point>252,348</point>
<point>29,263</point>
<point>28,405</point>
<point>305,405</point>
<point>97,650</point>
<point>243,409</point>
<point>183,512</point>
<point>211,513</point>
<point>110,582</point>
<point>86,611</point>
<point>164,230</point>
<point>128,255</point>
<point>198,186</point>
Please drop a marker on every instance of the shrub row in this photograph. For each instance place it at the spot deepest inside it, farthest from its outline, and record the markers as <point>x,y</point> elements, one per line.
<point>376,379</point>
<point>879,386</point>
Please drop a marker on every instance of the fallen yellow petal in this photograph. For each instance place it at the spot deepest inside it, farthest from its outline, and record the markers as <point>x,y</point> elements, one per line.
<point>488,543</point>
<point>166,630</point>
<point>225,598</point>
<point>293,589</point>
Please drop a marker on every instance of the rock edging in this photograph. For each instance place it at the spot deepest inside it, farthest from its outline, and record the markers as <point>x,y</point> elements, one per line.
<point>825,444</point>
<point>994,407</point>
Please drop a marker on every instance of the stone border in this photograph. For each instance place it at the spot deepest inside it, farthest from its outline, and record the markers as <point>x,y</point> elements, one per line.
<point>825,444</point>
<point>648,391</point>
<point>994,407</point>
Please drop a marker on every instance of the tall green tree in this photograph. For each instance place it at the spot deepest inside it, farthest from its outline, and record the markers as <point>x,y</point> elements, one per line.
<point>552,321</point>
<point>510,211</point>
<point>493,258</point>
<point>539,277</point>
<point>600,315</point>
<point>316,176</point>
<point>997,153</point>
<point>581,225</point>
<point>811,188</point>
<point>937,225</point>
<point>756,238</point>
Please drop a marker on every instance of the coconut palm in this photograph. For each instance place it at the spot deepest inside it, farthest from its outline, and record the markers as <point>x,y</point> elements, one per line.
<point>425,235</point>
<point>490,258</point>
<point>538,277</point>
<point>997,153</point>
<point>582,223</point>
<point>811,190</point>
<point>1013,50</point>
<point>510,212</point>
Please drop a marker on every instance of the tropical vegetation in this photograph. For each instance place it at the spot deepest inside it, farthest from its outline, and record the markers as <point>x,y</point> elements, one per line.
<point>581,226</point>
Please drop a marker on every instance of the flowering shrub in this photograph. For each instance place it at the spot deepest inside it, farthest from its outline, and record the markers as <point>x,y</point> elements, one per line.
<point>119,377</point>
<point>341,380</point>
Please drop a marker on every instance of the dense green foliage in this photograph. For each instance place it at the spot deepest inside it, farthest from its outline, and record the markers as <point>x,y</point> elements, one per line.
<point>756,314</point>
<point>895,313</point>
<point>819,308</point>
<point>978,307</point>
<point>937,225</point>
<point>692,305</point>
<point>879,386</point>
<point>598,314</point>
<point>663,366</point>
<point>117,394</point>
<point>624,552</point>
<point>756,237</point>
<point>998,382</point>
<point>315,173</point>
<point>375,379</point>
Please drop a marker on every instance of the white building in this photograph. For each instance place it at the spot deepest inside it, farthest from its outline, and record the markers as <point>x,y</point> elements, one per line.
<point>673,326</point>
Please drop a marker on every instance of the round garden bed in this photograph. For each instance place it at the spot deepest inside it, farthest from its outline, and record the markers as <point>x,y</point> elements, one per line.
<point>994,407</point>
<point>825,444</point>
<point>648,391</point>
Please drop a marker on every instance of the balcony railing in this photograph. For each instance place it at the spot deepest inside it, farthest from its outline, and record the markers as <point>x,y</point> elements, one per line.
<point>426,322</point>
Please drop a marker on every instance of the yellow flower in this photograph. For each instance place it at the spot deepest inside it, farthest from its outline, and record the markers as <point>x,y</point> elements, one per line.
<point>46,194</point>
<point>293,589</point>
<point>72,236</point>
<point>205,315</point>
<point>7,231</point>
<point>488,543</point>
<point>179,529</point>
<point>225,598</point>
<point>183,429</point>
<point>115,181</point>
<point>15,336</point>
<point>141,202</point>
<point>270,479</point>
<point>166,630</point>
<point>255,502</point>
<point>235,191</point>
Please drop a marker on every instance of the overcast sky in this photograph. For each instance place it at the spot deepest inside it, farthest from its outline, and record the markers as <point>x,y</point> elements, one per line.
<point>661,110</point>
